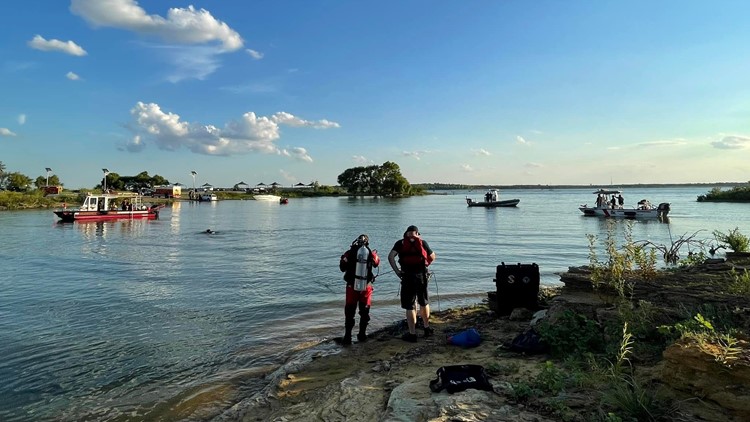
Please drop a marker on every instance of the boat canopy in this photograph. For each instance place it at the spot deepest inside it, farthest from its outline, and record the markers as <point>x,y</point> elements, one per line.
<point>606,192</point>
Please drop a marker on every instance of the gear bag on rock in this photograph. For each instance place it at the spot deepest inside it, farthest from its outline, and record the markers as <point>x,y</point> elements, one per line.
<point>455,378</point>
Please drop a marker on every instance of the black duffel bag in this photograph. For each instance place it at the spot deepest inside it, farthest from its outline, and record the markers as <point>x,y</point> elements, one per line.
<point>457,378</point>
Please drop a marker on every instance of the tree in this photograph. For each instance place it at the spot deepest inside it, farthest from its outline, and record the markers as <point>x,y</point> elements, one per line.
<point>375,180</point>
<point>18,182</point>
<point>41,181</point>
<point>139,181</point>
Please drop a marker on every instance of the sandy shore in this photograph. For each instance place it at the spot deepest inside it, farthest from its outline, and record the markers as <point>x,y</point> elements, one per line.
<point>386,378</point>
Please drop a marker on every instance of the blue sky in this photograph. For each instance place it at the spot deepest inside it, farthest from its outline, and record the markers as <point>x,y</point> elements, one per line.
<point>475,92</point>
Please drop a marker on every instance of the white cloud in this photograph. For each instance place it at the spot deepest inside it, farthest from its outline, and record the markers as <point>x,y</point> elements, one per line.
<point>257,55</point>
<point>72,76</point>
<point>467,168</point>
<point>520,140</point>
<point>67,47</point>
<point>184,26</point>
<point>533,165</point>
<point>361,159</point>
<point>732,142</point>
<point>482,151</point>
<point>283,117</point>
<point>299,153</point>
<point>135,145</point>
<point>6,132</point>
<point>190,62</point>
<point>669,143</point>
<point>414,154</point>
<point>22,119</point>
<point>248,134</point>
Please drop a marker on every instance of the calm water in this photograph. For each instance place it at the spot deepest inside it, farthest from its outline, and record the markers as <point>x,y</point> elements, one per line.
<point>137,320</point>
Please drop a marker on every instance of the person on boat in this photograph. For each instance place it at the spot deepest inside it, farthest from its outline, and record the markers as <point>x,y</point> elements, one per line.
<point>613,202</point>
<point>487,197</point>
<point>620,201</point>
<point>414,256</point>
<point>357,264</point>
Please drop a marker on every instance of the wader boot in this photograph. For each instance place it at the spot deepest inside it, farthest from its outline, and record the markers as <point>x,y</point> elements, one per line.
<point>348,324</point>
<point>364,318</point>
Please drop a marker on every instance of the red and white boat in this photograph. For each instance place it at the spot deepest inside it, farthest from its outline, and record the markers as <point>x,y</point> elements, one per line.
<point>110,206</point>
<point>608,205</point>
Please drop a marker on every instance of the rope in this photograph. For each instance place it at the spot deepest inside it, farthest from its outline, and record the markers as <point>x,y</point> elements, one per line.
<point>430,275</point>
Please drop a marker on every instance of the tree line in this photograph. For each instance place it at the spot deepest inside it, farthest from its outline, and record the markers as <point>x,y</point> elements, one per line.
<point>19,182</point>
<point>382,180</point>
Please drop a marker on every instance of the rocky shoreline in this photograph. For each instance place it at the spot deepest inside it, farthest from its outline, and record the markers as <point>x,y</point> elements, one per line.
<point>387,379</point>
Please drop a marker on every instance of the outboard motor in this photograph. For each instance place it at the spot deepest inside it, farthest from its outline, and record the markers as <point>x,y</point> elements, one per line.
<point>662,211</point>
<point>360,271</point>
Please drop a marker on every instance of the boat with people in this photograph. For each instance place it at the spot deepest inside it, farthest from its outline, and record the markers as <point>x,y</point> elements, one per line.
<point>492,200</point>
<point>283,200</point>
<point>110,206</point>
<point>267,197</point>
<point>610,203</point>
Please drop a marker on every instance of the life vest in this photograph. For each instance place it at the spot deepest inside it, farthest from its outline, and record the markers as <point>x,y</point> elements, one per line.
<point>350,264</point>
<point>413,255</point>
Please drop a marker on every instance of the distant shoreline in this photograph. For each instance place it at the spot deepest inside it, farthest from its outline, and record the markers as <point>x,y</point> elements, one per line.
<point>449,186</point>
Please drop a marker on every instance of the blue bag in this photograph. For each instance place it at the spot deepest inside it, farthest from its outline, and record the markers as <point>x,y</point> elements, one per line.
<point>467,338</point>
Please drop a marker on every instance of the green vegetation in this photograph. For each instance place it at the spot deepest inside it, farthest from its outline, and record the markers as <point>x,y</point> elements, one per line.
<point>622,263</point>
<point>735,194</point>
<point>600,347</point>
<point>573,334</point>
<point>733,239</point>
<point>384,180</point>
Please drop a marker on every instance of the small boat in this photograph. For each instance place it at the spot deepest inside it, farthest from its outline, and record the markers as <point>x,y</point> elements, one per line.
<point>267,197</point>
<point>610,203</point>
<point>110,206</point>
<point>491,200</point>
<point>284,200</point>
<point>208,197</point>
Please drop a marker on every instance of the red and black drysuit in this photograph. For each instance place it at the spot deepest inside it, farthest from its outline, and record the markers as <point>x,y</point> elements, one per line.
<point>348,264</point>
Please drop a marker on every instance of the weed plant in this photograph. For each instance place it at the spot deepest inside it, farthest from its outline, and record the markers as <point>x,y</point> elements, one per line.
<point>740,284</point>
<point>625,392</point>
<point>733,239</point>
<point>624,263</point>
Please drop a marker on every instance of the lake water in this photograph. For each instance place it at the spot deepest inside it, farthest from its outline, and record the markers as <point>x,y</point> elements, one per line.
<point>149,320</point>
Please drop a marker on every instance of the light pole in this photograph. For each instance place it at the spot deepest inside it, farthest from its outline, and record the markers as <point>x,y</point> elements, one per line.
<point>106,172</point>
<point>48,172</point>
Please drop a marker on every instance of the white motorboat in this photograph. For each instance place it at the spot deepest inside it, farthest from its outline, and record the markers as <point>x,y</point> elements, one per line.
<point>610,203</point>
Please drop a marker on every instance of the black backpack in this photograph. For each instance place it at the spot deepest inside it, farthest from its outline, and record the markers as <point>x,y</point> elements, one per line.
<point>457,378</point>
<point>529,342</point>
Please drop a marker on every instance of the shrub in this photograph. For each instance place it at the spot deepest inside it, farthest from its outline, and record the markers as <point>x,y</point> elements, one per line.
<point>572,335</point>
<point>735,240</point>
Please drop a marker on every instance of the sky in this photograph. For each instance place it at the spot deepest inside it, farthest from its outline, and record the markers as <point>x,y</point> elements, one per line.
<point>473,92</point>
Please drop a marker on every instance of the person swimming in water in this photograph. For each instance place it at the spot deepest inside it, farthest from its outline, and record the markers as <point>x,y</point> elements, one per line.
<point>209,231</point>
